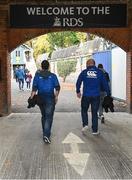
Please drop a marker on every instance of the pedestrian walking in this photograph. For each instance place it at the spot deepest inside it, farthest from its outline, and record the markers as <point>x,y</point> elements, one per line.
<point>102,94</point>
<point>21,76</point>
<point>92,79</point>
<point>15,74</point>
<point>47,86</point>
<point>28,79</point>
<point>25,71</point>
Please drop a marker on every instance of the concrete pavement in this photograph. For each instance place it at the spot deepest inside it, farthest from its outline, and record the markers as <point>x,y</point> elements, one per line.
<point>71,155</point>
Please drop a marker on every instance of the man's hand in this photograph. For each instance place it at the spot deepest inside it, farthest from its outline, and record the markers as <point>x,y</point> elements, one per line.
<point>79,95</point>
<point>56,93</point>
<point>32,94</point>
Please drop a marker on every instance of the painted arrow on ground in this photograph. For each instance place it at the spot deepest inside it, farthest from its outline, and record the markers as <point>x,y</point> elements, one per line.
<point>76,159</point>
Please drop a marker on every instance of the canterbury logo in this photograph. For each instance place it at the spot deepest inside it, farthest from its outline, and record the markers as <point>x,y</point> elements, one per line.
<point>92,74</point>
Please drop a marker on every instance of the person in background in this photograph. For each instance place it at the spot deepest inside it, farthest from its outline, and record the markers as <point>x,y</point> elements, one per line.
<point>21,76</point>
<point>92,79</point>
<point>25,71</point>
<point>28,79</point>
<point>102,93</point>
<point>47,86</point>
<point>15,74</point>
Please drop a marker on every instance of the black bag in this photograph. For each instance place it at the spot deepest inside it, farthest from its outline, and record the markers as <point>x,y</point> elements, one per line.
<point>108,104</point>
<point>36,100</point>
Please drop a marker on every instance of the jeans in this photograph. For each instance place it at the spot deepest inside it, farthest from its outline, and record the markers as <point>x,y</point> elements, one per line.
<point>102,95</point>
<point>47,112</point>
<point>21,83</point>
<point>94,102</point>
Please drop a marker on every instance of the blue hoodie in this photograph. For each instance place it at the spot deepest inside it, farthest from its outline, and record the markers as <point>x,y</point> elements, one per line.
<point>45,82</point>
<point>93,81</point>
<point>20,74</point>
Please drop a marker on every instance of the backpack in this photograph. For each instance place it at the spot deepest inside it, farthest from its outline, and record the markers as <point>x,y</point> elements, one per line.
<point>107,76</point>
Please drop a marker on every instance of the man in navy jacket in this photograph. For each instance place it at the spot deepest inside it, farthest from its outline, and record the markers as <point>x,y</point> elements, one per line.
<point>93,80</point>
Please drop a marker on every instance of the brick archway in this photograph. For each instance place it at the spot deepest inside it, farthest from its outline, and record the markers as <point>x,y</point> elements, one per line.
<point>11,38</point>
<point>120,37</point>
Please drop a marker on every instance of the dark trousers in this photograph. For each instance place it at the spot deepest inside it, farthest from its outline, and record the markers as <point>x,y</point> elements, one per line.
<point>47,112</point>
<point>94,102</point>
<point>21,83</point>
<point>28,85</point>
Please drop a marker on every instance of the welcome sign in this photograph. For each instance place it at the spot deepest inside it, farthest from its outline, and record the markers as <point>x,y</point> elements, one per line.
<point>57,16</point>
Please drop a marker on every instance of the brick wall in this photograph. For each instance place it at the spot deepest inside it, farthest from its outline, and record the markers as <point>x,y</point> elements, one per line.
<point>5,90</point>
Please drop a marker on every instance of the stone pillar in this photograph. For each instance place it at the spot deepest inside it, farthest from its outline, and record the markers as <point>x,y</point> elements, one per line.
<point>5,75</point>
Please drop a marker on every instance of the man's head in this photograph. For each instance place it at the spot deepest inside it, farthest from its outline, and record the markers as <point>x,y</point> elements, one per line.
<point>21,67</point>
<point>45,65</point>
<point>100,66</point>
<point>90,62</point>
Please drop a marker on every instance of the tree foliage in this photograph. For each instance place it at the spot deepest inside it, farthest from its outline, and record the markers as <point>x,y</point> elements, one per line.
<point>52,41</point>
<point>40,45</point>
<point>62,39</point>
<point>64,68</point>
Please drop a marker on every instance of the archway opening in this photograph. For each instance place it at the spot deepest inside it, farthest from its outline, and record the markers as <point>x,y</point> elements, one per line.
<point>89,45</point>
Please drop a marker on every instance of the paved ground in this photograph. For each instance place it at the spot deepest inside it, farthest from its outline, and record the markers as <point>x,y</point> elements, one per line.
<point>71,155</point>
<point>68,102</point>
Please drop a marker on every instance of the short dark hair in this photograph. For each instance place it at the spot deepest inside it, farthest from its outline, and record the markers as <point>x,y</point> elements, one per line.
<point>100,66</point>
<point>45,64</point>
<point>90,62</point>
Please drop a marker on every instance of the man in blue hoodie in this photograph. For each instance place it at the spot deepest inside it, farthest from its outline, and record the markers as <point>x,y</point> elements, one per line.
<point>20,75</point>
<point>93,79</point>
<point>46,85</point>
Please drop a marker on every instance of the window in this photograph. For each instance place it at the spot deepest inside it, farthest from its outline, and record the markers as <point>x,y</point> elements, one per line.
<point>17,53</point>
<point>28,55</point>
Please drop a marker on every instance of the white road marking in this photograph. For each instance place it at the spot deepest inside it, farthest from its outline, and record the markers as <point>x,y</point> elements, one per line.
<point>76,159</point>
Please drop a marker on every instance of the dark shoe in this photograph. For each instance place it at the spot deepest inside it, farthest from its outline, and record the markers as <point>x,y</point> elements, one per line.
<point>101,117</point>
<point>46,140</point>
<point>102,120</point>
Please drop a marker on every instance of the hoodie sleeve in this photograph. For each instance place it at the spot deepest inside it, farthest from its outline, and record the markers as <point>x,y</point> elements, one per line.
<point>79,82</point>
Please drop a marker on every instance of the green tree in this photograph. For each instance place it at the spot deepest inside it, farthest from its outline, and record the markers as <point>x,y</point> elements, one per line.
<point>90,36</point>
<point>51,41</point>
<point>63,39</point>
<point>82,37</point>
<point>64,68</point>
<point>40,45</point>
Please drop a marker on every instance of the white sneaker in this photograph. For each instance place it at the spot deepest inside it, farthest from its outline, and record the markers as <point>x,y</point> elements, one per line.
<point>85,128</point>
<point>96,133</point>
